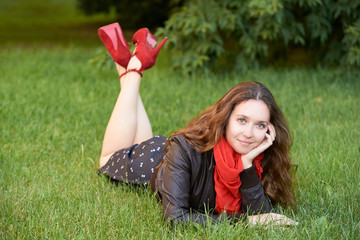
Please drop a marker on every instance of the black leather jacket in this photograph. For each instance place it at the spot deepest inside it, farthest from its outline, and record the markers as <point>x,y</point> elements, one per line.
<point>185,185</point>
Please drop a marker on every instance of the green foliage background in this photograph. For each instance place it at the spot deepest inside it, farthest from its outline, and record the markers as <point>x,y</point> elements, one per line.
<point>247,34</point>
<point>130,14</point>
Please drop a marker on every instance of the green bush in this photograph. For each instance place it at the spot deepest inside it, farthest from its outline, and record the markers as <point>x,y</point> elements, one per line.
<point>238,34</point>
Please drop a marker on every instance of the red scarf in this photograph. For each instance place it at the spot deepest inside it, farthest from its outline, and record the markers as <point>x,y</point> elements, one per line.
<point>227,179</point>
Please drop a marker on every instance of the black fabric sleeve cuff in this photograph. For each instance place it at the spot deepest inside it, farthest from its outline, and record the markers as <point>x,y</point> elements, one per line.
<point>233,218</point>
<point>240,217</point>
<point>249,178</point>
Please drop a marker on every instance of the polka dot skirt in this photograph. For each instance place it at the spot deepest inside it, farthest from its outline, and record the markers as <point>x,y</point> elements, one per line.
<point>136,163</point>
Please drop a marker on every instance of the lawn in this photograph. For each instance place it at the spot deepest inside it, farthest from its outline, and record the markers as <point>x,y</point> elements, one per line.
<point>54,107</point>
<point>48,23</point>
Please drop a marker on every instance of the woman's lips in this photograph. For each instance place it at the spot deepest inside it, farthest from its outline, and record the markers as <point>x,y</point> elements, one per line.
<point>246,143</point>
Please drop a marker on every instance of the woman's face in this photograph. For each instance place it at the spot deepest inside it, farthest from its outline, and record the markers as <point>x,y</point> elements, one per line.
<point>247,125</point>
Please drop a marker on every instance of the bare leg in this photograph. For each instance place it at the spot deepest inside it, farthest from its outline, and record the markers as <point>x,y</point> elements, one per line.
<point>129,123</point>
<point>144,129</point>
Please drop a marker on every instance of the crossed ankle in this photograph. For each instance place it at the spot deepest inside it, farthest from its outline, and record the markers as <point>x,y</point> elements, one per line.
<point>131,70</point>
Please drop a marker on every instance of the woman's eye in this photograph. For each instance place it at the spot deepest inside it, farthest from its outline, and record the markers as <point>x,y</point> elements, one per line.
<point>261,125</point>
<point>242,120</point>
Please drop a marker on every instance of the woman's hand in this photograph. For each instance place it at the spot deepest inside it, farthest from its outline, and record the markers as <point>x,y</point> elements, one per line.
<point>271,219</point>
<point>248,158</point>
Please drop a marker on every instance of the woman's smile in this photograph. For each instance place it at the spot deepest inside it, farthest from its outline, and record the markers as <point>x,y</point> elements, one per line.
<point>246,143</point>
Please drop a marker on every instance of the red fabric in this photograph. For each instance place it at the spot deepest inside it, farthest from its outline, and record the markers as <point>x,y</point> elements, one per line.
<point>227,179</point>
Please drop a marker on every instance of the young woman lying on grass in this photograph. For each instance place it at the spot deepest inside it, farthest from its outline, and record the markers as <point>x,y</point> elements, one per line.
<point>229,163</point>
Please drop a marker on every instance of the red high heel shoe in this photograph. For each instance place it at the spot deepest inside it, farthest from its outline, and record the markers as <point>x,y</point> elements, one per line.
<point>145,51</point>
<point>112,37</point>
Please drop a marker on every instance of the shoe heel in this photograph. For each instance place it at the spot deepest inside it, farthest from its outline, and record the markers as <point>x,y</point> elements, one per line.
<point>112,37</point>
<point>145,51</point>
<point>154,52</point>
<point>108,34</point>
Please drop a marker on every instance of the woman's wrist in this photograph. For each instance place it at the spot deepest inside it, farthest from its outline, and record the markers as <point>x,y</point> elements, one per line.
<point>246,162</point>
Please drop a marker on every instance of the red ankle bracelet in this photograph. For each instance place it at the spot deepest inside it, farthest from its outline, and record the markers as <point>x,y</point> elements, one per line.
<point>131,70</point>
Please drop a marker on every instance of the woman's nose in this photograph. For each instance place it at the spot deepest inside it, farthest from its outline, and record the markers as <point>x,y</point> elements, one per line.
<point>247,131</point>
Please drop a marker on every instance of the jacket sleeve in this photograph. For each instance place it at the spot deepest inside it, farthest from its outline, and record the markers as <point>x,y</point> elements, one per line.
<point>176,190</point>
<point>254,200</point>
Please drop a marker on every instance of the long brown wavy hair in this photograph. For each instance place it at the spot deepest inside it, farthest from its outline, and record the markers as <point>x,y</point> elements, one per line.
<point>205,131</point>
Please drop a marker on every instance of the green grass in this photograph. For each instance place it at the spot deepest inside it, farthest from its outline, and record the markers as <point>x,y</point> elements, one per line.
<point>48,23</point>
<point>54,109</point>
